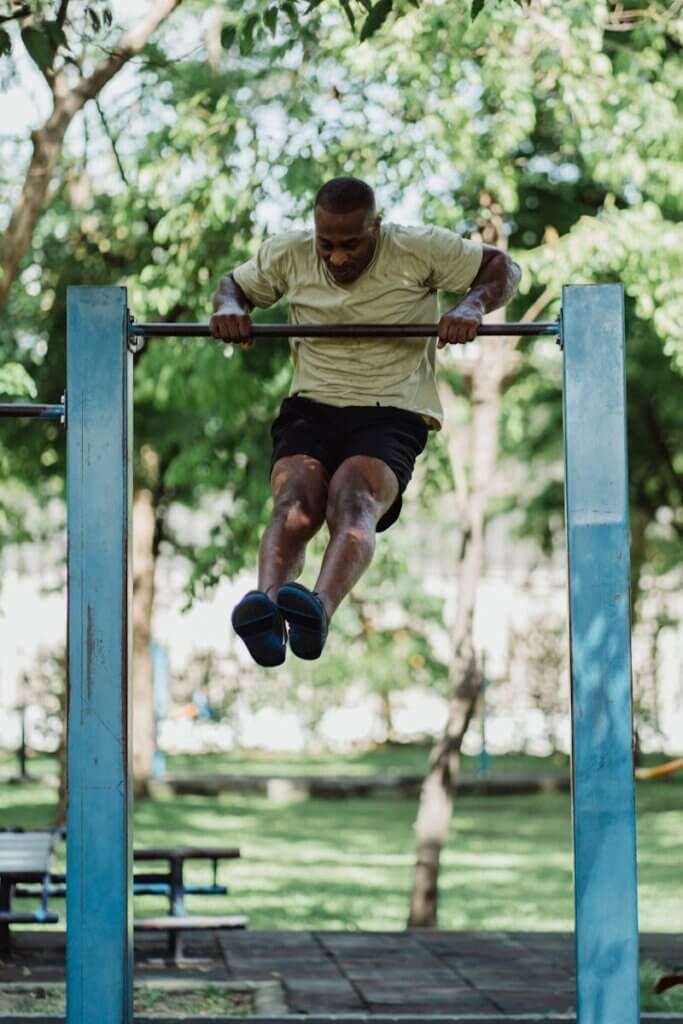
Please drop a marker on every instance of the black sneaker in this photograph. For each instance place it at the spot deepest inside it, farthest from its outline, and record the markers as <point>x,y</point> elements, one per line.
<point>257,620</point>
<point>306,618</point>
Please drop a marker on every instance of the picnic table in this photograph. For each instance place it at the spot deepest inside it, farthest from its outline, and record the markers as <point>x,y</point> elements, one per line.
<point>25,858</point>
<point>25,871</point>
<point>169,881</point>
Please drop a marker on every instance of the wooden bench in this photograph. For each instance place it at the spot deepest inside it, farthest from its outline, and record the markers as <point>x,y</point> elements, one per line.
<point>25,857</point>
<point>175,926</point>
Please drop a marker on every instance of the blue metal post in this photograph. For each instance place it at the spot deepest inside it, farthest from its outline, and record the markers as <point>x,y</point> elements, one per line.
<point>99,845</point>
<point>603,798</point>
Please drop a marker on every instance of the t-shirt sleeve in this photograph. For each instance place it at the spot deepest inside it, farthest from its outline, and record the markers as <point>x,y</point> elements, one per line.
<point>263,278</point>
<point>454,261</point>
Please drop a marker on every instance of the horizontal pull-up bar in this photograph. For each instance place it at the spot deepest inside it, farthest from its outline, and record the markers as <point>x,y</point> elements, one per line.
<point>338,330</point>
<point>22,409</point>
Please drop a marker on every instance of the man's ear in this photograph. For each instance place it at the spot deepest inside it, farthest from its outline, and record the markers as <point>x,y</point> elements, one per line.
<point>376,221</point>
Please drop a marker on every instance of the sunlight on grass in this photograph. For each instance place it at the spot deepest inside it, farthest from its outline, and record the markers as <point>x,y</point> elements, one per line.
<point>348,864</point>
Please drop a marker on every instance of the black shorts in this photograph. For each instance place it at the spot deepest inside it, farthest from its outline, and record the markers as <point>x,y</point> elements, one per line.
<point>331,434</point>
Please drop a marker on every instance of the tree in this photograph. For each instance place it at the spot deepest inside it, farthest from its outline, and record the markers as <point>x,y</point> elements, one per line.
<point>557,118</point>
<point>537,101</point>
<point>59,49</point>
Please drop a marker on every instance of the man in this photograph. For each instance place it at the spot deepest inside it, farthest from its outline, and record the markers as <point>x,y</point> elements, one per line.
<point>359,410</point>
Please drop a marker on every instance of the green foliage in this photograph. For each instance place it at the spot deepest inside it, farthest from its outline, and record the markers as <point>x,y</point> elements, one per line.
<point>249,28</point>
<point>14,380</point>
<point>49,30</point>
<point>42,43</point>
<point>376,18</point>
<point>555,117</point>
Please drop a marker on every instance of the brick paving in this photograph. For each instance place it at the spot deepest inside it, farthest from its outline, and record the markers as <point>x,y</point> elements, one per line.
<point>482,977</point>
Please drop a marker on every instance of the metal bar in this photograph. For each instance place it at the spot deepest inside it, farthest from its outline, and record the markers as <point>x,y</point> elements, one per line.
<point>603,798</point>
<point>99,828</point>
<point>338,330</point>
<point>43,412</point>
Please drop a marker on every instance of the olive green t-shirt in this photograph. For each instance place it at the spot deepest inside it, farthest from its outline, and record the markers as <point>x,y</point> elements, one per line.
<point>399,286</point>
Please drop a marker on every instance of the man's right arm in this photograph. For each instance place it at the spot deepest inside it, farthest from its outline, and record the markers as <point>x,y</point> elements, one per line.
<point>230,320</point>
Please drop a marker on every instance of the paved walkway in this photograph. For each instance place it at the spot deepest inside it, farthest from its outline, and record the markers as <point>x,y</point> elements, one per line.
<point>485,977</point>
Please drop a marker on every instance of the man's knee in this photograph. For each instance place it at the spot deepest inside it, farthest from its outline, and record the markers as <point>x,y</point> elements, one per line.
<point>360,493</point>
<point>353,509</point>
<point>299,495</point>
<point>297,513</point>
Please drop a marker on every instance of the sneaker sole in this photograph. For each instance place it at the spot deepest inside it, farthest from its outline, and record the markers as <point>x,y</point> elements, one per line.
<point>256,620</point>
<point>305,621</point>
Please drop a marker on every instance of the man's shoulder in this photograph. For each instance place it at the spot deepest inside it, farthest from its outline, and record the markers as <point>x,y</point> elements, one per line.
<point>295,242</point>
<point>408,246</point>
<point>415,237</point>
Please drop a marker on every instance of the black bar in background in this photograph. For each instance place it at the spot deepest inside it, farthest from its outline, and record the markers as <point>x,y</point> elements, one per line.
<point>21,409</point>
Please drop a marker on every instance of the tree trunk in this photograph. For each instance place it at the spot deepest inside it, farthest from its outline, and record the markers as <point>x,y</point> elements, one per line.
<point>144,522</point>
<point>436,797</point>
<point>387,715</point>
<point>497,362</point>
<point>48,140</point>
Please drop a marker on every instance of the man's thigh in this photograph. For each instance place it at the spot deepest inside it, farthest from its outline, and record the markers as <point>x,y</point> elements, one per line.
<point>393,438</point>
<point>304,427</point>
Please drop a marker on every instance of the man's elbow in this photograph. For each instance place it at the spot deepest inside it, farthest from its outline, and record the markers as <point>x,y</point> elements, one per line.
<point>507,270</point>
<point>514,271</point>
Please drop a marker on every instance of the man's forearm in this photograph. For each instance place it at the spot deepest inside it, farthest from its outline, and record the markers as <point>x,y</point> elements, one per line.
<point>230,298</point>
<point>494,285</point>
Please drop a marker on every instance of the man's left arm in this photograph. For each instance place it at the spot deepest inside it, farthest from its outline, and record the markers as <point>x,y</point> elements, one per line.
<point>494,285</point>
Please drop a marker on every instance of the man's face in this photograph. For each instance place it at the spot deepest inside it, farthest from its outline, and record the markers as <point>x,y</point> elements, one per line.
<point>345,241</point>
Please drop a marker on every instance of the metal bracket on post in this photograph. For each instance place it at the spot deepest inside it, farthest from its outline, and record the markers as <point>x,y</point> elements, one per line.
<point>135,342</point>
<point>560,327</point>
<point>603,792</point>
<point>99,967</point>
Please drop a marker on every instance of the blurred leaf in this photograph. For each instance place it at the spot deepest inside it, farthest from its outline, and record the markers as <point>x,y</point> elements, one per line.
<point>94,18</point>
<point>270,19</point>
<point>228,36</point>
<point>290,10</point>
<point>39,46</point>
<point>5,43</point>
<point>14,380</point>
<point>55,34</point>
<point>376,18</point>
<point>247,35</point>
<point>477,6</point>
<point>349,14</point>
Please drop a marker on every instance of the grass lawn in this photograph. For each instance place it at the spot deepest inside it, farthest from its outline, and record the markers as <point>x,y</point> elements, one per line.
<point>348,864</point>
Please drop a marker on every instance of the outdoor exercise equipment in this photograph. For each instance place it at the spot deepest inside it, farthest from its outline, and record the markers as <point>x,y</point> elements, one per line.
<point>101,340</point>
